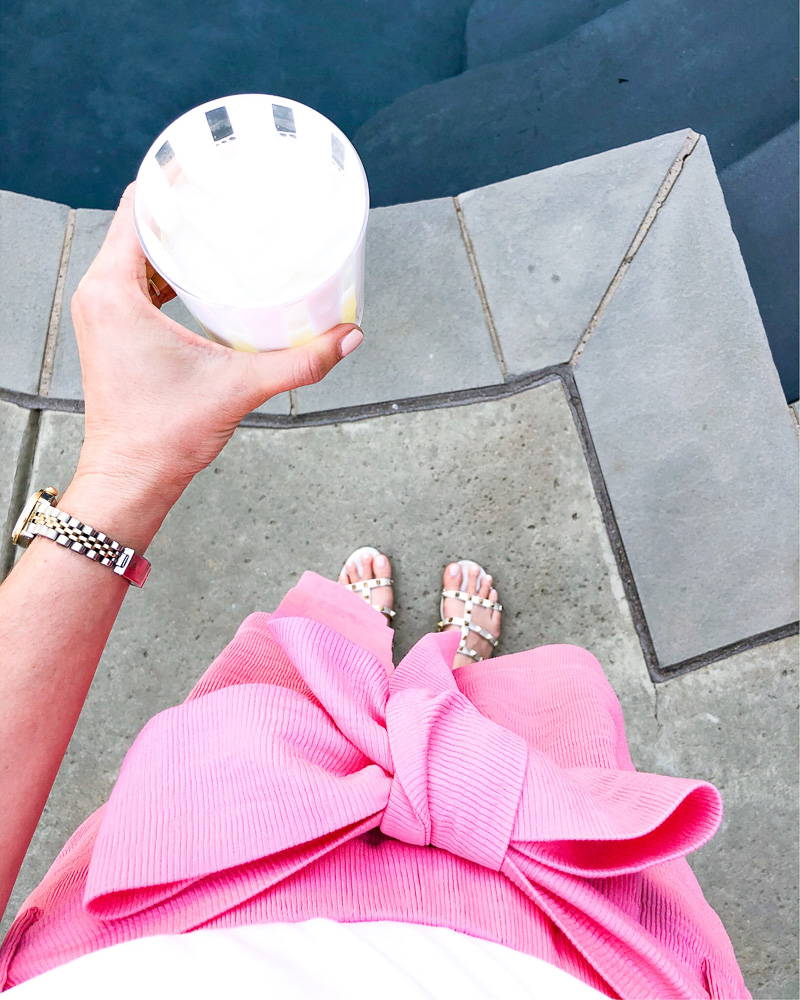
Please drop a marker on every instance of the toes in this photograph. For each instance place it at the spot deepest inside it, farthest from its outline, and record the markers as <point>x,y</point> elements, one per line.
<point>366,566</point>
<point>382,566</point>
<point>452,577</point>
<point>352,572</point>
<point>493,596</point>
<point>472,579</point>
<point>486,586</point>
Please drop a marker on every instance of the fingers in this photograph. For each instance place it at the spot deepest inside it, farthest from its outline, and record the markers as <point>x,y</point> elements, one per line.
<point>271,372</point>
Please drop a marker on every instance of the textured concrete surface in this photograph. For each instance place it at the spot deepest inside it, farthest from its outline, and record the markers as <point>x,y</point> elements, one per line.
<point>735,724</point>
<point>31,241</point>
<point>91,226</point>
<point>14,428</point>
<point>522,504</point>
<point>761,197</point>
<point>424,327</point>
<point>692,431</point>
<point>549,243</point>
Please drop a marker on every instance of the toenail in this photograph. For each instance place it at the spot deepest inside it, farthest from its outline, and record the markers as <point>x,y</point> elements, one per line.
<point>380,560</point>
<point>452,569</point>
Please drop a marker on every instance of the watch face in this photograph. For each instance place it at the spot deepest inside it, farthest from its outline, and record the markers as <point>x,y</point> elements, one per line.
<point>27,510</point>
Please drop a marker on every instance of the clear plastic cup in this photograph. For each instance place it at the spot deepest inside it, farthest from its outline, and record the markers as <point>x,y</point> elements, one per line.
<point>254,208</point>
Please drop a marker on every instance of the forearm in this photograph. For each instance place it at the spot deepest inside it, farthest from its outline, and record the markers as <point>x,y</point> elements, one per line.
<point>56,612</point>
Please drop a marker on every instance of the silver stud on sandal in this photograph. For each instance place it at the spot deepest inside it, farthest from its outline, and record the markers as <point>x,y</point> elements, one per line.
<point>466,623</point>
<point>364,587</point>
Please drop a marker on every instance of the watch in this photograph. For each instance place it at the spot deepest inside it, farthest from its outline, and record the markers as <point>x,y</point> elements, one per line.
<point>40,516</point>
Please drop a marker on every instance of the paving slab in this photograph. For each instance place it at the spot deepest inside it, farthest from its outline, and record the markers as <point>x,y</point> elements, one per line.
<point>548,244</point>
<point>15,423</point>
<point>281,501</point>
<point>695,440</point>
<point>735,724</point>
<point>91,226</point>
<point>31,242</point>
<point>424,327</point>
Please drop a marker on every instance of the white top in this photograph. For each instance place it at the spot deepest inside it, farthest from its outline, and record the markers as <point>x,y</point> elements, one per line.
<point>316,959</point>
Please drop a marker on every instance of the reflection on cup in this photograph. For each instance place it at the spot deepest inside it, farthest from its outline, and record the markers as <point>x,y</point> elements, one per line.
<point>254,208</point>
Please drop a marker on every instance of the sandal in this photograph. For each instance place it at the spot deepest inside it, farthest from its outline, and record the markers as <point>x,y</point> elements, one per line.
<point>364,587</point>
<point>466,623</point>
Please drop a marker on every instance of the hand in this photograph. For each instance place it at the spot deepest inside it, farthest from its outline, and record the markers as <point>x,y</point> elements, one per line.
<point>161,401</point>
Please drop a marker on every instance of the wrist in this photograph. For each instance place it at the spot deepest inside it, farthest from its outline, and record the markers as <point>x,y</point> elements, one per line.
<point>128,508</point>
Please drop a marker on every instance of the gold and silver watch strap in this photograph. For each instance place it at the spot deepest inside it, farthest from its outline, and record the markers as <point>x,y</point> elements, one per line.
<point>41,517</point>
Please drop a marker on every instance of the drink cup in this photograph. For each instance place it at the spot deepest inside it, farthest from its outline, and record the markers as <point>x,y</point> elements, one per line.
<point>254,208</point>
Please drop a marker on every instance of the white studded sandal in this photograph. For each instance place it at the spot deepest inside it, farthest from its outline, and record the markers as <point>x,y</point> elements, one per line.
<point>364,587</point>
<point>466,623</point>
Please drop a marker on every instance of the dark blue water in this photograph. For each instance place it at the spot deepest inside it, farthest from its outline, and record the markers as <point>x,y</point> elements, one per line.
<point>85,88</point>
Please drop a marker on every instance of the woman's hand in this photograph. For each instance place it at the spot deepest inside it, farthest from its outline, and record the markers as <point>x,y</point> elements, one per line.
<point>161,402</point>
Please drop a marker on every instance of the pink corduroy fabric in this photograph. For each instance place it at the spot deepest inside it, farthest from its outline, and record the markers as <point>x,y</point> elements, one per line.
<point>304,777</point>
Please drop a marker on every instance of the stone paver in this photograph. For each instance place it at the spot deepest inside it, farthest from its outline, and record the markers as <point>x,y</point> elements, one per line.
<point>522,504</point>
<point>14,424</point>
<point>91,226</point>
<point>735,724</point>
<point>548,244</point>
<point>424,328</point>
<point>694,437</point>
<point>31,243</point>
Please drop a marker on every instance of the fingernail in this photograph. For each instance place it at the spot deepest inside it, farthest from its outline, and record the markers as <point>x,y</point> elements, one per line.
<point>380,561</point>
<point>350,342</point>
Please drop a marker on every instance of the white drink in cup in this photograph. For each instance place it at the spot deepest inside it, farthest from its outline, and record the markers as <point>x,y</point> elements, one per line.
<point>254,208</point>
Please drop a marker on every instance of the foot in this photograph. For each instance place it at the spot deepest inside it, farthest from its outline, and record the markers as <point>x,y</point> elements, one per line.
<point>485,617</point>
<point>372,568</point>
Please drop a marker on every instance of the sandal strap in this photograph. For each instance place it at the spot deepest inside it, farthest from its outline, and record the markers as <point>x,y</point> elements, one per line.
<point>470,625</point>
<point>466,651</point>
<point>365,586</point>
<point>484,602</point>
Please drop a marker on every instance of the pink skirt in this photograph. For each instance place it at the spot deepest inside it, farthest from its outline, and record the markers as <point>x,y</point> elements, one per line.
<point>306,777</point>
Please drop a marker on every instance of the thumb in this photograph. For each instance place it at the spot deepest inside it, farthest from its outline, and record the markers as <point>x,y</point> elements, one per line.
<point>272,372</point>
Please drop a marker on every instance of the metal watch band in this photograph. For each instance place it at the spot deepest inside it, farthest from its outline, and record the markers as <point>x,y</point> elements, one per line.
<point>50,522</point>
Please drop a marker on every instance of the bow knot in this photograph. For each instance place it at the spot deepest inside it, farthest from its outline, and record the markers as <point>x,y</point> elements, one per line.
<point>458,776</point>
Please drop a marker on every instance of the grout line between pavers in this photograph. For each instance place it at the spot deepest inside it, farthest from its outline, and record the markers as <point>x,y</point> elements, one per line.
<point>20,488</point>
<point>603,498</point>
<point>725,652</point>
<point>463,397</point>
<point>656,205</point>
<point>476,274</point>
<point>49,353</point>
<point>293,402</point>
